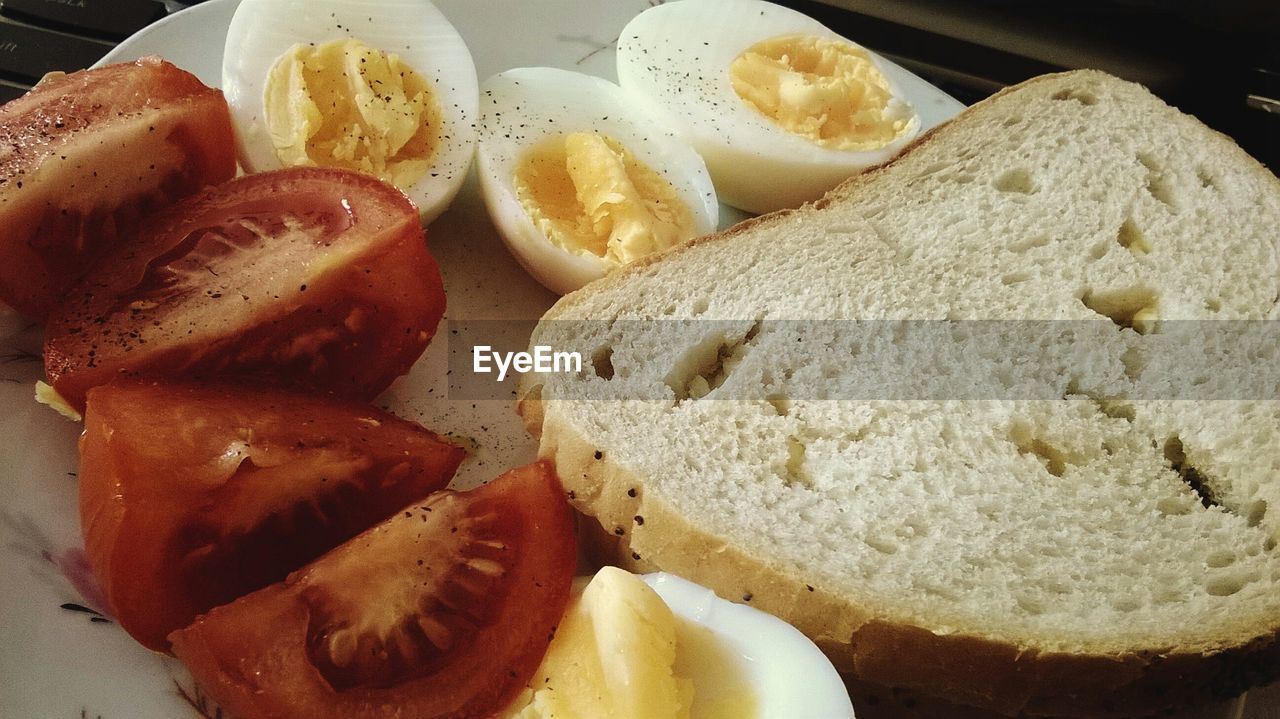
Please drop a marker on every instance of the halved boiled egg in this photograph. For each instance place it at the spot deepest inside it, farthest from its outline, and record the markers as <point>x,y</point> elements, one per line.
<point>388,88</point>
<point>579,181</point>
<point>781,108</point>
<point>660,647</point>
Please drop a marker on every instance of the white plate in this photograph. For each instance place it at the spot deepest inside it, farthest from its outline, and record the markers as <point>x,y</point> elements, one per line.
<point>60,661</point>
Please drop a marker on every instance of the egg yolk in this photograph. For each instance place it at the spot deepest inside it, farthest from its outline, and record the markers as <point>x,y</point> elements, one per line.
<point>345,104</point>
<point>619,652</point>
<point>589,195</point>
<point>827,91</point>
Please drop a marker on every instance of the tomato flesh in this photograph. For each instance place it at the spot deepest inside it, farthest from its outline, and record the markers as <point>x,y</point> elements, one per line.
<point>192,495</point>
<point>444,610</point>
<point>84,157</point>
<point>309,277</point>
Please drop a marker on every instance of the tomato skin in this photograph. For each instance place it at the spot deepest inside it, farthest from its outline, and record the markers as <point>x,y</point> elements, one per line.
<point>306,277</point>
<point>87,155</point>
<point>192,495</point>
<point>253,672</point>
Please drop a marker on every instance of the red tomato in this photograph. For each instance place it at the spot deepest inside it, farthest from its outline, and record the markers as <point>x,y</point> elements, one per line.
<point>445,610</point>
<point>315,278</point>
<point>84,156</point>
<point>193,495</point>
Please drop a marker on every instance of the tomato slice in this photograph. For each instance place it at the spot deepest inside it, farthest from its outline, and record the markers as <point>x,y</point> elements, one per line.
<point>84,156</point>
<point>192,495</point>
<point>315,278</point>
<point>445,610</point>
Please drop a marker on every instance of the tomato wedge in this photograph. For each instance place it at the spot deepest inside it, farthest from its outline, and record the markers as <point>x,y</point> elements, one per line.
<point>192,495</point>
<point>314,278</point>
<point>84,156</point>
<point>445,610</point>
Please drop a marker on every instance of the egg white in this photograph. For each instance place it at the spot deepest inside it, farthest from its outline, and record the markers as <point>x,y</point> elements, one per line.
<point>522,107</point>
<point>263,30</point>
<point>791,677</point>
<point>675,57</point>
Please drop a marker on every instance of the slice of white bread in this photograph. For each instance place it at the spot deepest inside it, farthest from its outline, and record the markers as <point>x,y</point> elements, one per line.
<point>1030,556</point>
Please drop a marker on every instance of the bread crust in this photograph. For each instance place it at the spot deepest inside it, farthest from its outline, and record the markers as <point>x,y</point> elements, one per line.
<point>871,643</point>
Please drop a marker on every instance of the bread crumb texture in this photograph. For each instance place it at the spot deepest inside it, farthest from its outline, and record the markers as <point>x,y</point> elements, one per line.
<point>903,534</point>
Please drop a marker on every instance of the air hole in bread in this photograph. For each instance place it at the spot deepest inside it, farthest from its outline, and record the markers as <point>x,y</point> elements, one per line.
<point>1023,436</point>
<point>1176,506</point>
<point>1126,604</point>
<point>1213,305</point>
<point>1117,410</point>
<point>1226,584</point>
<point>1131,307</point>
<point>1014,278</point>
<point>780,403</point>
<point>1175,454</point>
<point>933,169</point>
<point>1133,239</point>
<point>700,306</point>
<point>1016,180</point>
<point>1220,558</point>
<point>1031,605</point>
<point>989,510</point>
<point>1099,250</point>
<point>602,362</point>
<point>1158,185</point>
<point>1084,97</point>
<point>1029,243</point>
<point>1134,361</point>
<point>911,529</point>
<point>1011,121</point>
<point>1255,512</point>
<point>1206,180</point>
<point>796,473</point>
<point>883,545</point>
<point>706,365</point>
<point>874,212</point>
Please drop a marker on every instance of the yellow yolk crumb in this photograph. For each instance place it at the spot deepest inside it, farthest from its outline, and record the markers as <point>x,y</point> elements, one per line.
<point>48,396</point>
<point>345,104</point>
<point>591,196</point>
<point>827,91</point>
